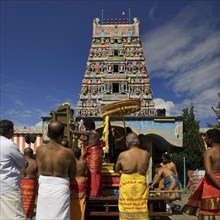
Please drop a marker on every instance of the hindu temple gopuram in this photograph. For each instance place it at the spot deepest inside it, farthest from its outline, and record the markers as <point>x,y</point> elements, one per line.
<point>116,68</point>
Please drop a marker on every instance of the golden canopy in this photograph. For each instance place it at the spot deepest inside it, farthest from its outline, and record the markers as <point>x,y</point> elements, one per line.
<point>121,108</point>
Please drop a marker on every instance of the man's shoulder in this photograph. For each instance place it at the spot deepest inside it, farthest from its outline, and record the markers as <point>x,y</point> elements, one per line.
<point>83,161</point>
<point>143,150</point>
<point>209,151</point>
<point>7,141</point>
<point>125,153</point>
<point>39,148</point>
<point>67,153</point>
<point>66,150</point>
<point>32,160</point>
<point>212,151</point>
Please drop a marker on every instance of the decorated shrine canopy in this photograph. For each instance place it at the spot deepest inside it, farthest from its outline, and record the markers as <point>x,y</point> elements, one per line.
<point>121,108</point>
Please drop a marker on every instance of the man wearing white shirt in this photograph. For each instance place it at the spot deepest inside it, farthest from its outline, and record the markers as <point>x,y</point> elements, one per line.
<point>11,163</point>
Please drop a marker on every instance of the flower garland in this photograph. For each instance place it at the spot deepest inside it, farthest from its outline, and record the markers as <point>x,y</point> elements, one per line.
<point>106,133</point>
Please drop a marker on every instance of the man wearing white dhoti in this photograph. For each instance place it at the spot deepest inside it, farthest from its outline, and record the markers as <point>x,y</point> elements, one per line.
<point>11,164</point>
<point>55,164</point>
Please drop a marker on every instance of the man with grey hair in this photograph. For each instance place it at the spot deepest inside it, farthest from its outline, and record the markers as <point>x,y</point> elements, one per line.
<point>133,165</point>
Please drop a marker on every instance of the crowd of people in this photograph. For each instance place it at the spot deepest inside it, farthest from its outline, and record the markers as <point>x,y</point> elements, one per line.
<point>60,179</point>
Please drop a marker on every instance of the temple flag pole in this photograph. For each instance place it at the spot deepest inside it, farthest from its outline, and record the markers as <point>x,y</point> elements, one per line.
<point>184,174</point>
<point>102,15</point>
<point>129,12</point>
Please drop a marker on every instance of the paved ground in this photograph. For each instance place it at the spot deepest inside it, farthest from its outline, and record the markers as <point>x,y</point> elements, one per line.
<point>184,200</point>
<point>183,216</point>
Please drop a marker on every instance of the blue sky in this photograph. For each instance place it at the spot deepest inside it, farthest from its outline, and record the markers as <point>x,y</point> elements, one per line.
<point>45,46</point>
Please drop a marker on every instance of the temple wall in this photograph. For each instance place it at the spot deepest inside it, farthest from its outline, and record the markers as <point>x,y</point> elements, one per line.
<point>170,129</point>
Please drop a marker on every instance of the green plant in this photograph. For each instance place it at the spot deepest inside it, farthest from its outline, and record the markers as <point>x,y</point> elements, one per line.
<point>193,146</point>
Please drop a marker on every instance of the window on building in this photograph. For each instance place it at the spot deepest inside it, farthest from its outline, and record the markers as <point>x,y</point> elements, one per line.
<point>115,68</point>
<point>116,41</point>
<point>115,87</point>
<point>115,52</point>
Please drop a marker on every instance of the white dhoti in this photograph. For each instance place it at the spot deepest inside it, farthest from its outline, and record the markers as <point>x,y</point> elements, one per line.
<point>11,206</point>
<point>53,198</point>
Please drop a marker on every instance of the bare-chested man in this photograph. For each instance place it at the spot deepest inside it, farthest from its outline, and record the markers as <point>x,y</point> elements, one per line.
<point>206,196</point>
<point>55,165</point>
<point>166,162</point>
<point>29,183</point>
<point>31,170</point>
<point>133,165</point>
<point>212,156</point>
<point>171,181</point>
<point>93,152</point>
<point>78,187</point>
<point>210,200</point>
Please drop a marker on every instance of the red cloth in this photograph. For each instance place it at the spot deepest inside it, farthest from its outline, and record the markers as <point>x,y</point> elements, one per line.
<point>78,187</point>
<point>206,198</point>
<point>29,191</point>
<point>94,163</point>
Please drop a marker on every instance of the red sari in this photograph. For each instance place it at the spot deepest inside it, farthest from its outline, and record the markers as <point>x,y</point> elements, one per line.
<point>205,200</point>
<point>94,163</point>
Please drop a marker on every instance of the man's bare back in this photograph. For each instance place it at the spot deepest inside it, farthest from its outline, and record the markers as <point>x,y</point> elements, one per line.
<point>132,161</point>
<point>81,167</point>
<point>213,155</point>
<point>31,170</point>
<point>55,160</point>
<point>164,172</point>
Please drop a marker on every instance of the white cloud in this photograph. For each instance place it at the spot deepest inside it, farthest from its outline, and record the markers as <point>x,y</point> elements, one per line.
<point>38,125</point>
<point>168,105</point>
<point>185,53</point>
<point>197,79</point>
<point>152,11</point>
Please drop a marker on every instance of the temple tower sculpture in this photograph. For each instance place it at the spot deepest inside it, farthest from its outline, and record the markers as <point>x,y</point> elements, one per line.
<point>116,69</point>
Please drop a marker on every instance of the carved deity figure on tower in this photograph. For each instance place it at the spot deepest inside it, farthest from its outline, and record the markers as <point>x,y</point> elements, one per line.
<point>97,66</point>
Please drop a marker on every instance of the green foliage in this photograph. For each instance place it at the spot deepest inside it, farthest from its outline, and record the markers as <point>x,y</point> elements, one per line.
<point>193,146</point>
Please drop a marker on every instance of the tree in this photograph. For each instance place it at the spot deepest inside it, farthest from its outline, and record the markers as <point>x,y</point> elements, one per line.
<point>193,146</point>
<point>217,112</point>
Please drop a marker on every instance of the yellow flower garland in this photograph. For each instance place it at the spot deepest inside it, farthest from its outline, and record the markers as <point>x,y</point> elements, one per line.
<point>106,133</point>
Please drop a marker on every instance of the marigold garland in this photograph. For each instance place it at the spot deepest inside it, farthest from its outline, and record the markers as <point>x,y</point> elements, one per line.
<point>106,133</point>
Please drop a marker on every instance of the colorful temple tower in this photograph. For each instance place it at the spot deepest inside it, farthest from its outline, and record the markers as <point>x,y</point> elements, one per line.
<point>116,69</point>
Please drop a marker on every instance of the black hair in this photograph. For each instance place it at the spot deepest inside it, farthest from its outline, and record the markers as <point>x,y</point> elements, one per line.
<point>214,134</point>
<point>166,156</point>
<point>65,143</point>
<point>89,124</point>
<point>128,130</point>
<point>77,152</point>
<point>5,126</point>
<point>28,152</point>
<point>55,130</point>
